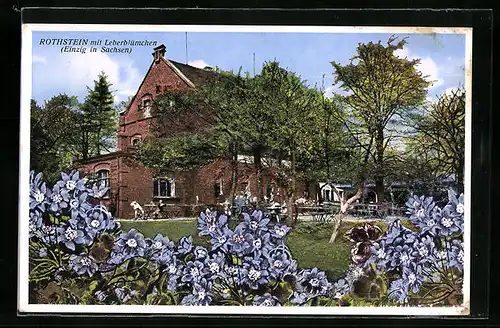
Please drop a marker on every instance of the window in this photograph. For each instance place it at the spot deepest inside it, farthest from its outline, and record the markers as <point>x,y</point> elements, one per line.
<point>135,140</point>
<point>218,189</point>
<point>163,188</point>
<point>326,195</point>
<point>102,180</point>
<point>158,89</point>
<point>146,105</point>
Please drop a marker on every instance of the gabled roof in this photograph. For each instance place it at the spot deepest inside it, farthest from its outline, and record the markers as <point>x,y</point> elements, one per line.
<point>196,75</point>
<point>192,76</point>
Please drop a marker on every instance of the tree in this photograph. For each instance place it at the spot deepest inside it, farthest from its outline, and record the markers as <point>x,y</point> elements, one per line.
<point>196,127</point>
<point>52,138</point>
<point>439,141</point>
<point>98,120</point>
<point>381,86</point>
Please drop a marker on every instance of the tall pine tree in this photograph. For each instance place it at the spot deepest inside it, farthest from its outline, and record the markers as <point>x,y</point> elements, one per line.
<point>98,122</point>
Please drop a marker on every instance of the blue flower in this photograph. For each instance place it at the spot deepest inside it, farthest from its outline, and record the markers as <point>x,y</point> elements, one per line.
<point>38,196</point>
<point>47,234</point>
<point>185,245</point>
<point>96,222</point>
<point>412,277</point>
<point>258,244</point>
<point>300,297</point>
<point>254,275</point>
<point>35,223</point>
<point>313,282</point>
<point>214,266</point>
<point>208,222</point>
<point>233,274</point>
<point>78,205</point>
<point>266,300</point>
<point>100,295</point>
<point>279,231</point>
<point>70,237</point>
<point>124,294</point>
<point>220,240</point>
<point>419,208</point>
<point>255,223</point>
<point>72,182</point>
<point>201,294</point>
<point>398,290</point>
<point>193,272</point>
<point>456,204</point>
<point>340,288</point>
<point>161,249</point>
<point>59,198</point>
<point>129,244</point>
<point>200,253</point>
<point>280,263</point>
<point>449,222</point>
<point>174,270</point>
<point>83,264</point>
<point>42,252</point>
<point>380,255</point>
<point>456,255</point>
<point>239,241</point>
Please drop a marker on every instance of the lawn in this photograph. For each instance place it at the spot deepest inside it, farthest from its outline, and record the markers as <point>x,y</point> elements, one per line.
<point>308,242</point>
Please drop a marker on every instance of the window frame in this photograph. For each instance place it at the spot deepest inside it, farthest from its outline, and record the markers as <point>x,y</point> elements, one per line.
<point>157,188</point>
<point>99,178</point>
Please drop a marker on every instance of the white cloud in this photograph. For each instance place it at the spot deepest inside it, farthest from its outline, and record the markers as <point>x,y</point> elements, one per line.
<point>427,66</point>
<point>200,63</point>
<point>401,53</point>
<point>450,91</point>
<point>335,89</point>
<point>71,73</point>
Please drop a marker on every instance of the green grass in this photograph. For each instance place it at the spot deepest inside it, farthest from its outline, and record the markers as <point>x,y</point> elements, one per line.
<point>308,242</point>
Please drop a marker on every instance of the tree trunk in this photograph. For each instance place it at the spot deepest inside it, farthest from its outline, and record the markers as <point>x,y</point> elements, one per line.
<point>379,178</point>
<point>257,159</point>
<point>291,207</point>
<point>234,172</point>
<point>344,207</point>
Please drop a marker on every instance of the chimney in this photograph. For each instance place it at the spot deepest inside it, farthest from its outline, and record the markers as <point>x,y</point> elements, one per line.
<point>159,52</point>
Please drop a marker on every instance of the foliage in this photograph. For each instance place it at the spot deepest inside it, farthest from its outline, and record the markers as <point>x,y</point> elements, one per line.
<point>179,152</point>
<point>52,136</point>
<point>98,120</point>
<point>439,143</point>
<point>381,86</point>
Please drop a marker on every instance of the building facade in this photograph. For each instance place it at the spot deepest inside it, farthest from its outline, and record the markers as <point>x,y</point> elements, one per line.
<point>184,192</point>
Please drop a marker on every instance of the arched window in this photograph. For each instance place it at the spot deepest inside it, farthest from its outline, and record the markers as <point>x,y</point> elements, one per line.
<point>102,177</point>
<point>135,140</point>
<point>102,180</point>
<point>146,105</point>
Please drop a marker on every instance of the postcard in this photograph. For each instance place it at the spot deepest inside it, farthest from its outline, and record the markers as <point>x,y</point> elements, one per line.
<point>271,170</point>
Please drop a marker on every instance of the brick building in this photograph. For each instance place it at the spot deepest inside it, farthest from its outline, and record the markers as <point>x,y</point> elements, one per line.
<point>130,181</point>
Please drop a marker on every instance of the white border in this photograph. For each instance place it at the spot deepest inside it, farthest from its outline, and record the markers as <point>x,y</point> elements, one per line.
<point>24,158</point>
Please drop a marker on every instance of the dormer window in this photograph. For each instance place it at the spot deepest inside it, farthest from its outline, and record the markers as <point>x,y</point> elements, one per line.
<point>146,105</point>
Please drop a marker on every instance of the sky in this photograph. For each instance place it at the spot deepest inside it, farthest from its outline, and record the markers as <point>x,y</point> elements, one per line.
<point>307,54</point>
